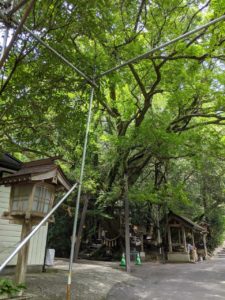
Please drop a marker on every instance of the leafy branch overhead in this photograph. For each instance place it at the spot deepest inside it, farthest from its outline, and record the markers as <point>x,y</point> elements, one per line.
<point>148,118</point>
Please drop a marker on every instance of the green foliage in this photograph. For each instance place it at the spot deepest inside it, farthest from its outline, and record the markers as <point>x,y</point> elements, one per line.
<point>59,233</point>
<point>9,287</point>
<point>216,221</point>
<point>158,120</point>
<point>218,5</point>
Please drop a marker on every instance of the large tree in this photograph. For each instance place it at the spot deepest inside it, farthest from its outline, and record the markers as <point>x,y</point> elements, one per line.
<point>148,115</point>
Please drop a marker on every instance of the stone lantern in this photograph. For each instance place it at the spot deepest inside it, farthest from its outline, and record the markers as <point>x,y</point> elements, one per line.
<point>33,189</point>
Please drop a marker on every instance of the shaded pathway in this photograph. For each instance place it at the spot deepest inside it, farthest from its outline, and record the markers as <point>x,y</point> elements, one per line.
<point>150,281</point>
<point>174,282</point>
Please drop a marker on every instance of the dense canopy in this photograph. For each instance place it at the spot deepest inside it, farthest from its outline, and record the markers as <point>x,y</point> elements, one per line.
<point>159,120</point>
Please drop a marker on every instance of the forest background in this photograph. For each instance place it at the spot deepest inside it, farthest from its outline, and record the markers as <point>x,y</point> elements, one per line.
<point>158,121</point>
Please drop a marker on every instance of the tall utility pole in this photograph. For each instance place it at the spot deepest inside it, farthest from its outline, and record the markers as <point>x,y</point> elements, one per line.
<point>127,223</point>
<point>69,281</point>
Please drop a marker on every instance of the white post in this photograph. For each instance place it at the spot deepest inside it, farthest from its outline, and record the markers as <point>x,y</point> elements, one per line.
<point>127,221</point>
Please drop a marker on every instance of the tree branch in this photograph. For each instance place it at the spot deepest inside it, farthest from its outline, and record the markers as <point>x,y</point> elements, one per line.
<point>138,80</point>
<point>18,30</point>
<point>139,14</point>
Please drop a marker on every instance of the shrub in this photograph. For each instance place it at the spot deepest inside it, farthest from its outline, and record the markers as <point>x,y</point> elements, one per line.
<point>10,288</point>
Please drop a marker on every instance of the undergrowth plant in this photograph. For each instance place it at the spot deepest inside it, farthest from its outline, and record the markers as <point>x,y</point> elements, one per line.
<point>7,286</point>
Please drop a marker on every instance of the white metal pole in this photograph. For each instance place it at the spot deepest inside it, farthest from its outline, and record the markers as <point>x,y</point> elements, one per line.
<point>127,223</point>
<point>91,82</point>
<point>145,55</point>
<point>78,198</point>
<point>133,60</point>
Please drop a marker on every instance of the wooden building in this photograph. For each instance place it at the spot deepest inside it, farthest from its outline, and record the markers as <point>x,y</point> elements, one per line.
<point>13,174</point>
<point>181,231</point>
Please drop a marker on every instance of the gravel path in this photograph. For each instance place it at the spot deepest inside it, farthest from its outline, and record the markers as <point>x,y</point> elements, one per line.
<point>91,281</point>
<point>150,281</point>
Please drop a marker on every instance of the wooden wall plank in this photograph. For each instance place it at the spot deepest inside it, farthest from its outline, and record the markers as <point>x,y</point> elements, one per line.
<point>10,235</point>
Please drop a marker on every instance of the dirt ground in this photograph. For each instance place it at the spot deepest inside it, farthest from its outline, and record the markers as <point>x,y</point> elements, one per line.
<point>91,280</point>
<point>152,281</point>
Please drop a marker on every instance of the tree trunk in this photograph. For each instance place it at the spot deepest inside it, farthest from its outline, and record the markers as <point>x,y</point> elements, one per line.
<point>80,230</point>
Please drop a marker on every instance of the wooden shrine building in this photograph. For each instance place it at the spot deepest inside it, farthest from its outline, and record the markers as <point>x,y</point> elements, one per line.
<point>181,231</point>
<point>27,192</point>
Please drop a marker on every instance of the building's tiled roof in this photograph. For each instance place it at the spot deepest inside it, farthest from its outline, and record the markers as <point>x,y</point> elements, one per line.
<point>44,169</point>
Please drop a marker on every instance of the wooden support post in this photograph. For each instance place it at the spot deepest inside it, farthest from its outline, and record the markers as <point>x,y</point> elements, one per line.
<point>80,230</point>
<point>179,237</point>
<point>127,223</point>
<point>193,238</point>
<point>184,239</point>
<point>21,267</point>
<point>205,245</point>
<point>142,243</point>
<point>158,232</point>
<point>170,240</point>
<point>99,231</point>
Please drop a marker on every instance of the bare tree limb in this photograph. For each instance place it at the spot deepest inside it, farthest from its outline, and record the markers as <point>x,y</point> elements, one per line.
<point>138,80</point>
